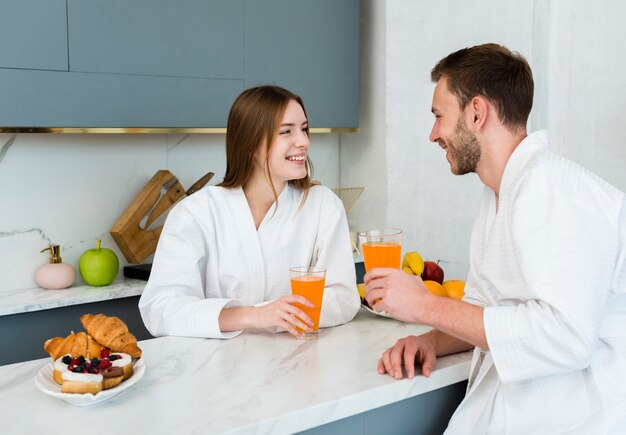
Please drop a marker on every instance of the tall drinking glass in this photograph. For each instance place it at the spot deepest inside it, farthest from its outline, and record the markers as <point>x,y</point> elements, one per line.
<point>381,248</point>
<point>309,282</point>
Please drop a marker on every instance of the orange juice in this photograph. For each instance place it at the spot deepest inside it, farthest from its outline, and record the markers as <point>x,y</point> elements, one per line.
<point>312,288</point>
<point>381,254</point>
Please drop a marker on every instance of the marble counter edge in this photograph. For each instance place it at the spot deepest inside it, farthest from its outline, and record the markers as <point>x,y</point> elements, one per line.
<point>37,299</point>
<point>455,369</point>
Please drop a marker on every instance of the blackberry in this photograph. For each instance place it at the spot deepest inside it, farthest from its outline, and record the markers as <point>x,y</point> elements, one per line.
<point>114,357</point>
<point>95,362</point>
<point>67,359</point>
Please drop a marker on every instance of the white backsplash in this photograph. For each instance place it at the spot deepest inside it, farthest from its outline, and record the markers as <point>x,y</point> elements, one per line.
<point>69,189</point>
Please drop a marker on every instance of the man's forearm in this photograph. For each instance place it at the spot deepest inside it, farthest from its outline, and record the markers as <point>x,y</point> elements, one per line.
<point>446,344</point>
<point>461,321</point>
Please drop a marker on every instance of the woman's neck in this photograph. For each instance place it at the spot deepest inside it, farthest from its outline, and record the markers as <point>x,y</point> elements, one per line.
<point>260,197</point>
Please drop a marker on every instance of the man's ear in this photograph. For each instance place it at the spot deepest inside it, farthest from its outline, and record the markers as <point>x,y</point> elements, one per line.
<point>479,111</point>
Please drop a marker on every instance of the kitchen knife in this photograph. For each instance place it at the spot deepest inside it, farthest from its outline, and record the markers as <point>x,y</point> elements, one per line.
<point>200,183</point>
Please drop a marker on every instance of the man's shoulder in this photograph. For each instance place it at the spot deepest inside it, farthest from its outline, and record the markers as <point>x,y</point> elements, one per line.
<point>553,176</point>
<point>569,174</point>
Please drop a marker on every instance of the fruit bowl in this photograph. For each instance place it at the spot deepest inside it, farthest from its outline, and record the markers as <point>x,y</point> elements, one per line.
<point>378,313</point>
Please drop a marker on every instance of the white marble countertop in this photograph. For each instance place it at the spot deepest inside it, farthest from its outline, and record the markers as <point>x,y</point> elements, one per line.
<point>36,299</point>
<point>255,383</point>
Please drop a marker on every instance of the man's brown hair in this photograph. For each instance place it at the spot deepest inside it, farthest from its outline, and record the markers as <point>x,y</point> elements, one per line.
<point>254,121</point>
<point>494,72</point>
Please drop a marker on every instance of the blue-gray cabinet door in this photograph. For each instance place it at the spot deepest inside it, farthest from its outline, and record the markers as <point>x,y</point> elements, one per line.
<point>33,34</point>
<point>182,38</point>
<point>311,47</point>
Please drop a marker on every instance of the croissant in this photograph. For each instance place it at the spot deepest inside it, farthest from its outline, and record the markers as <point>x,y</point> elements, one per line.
<point>76,345</point>
<point>111,332</point>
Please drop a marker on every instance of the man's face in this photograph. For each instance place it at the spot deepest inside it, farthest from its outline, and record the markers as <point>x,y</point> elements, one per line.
<point>451,133</point>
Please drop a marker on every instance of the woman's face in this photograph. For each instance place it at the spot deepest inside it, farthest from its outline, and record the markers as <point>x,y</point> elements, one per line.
<point>288,153</point>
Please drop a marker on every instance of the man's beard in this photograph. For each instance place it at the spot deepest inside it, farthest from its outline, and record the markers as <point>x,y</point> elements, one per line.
<point>464,150</point>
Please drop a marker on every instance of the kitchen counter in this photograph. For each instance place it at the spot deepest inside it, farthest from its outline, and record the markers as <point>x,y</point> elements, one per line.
<point>255,383</point>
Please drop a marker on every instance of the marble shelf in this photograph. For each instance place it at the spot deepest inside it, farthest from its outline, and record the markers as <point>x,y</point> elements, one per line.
<point>36,299</point>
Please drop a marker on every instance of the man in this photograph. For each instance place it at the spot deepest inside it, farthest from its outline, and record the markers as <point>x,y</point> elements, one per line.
<point>545,300</point>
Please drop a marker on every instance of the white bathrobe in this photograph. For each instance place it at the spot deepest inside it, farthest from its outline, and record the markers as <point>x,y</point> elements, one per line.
<point>210,256</point>
<point>550,269</point>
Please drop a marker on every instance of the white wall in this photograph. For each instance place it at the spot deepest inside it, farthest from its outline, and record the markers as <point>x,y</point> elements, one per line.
<point>70,189</point>
<point>587,85</point>
<point>363,155</point>
<point>577,53</point>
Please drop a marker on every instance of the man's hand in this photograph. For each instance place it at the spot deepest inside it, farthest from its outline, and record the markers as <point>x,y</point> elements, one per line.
<point>397,293</point>
<point>408,351</point>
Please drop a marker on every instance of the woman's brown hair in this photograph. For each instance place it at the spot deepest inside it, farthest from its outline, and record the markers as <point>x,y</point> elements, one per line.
<point>254,121</point>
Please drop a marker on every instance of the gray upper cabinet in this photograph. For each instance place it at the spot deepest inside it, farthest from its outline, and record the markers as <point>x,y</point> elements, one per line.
<point>87,100</point>
<point>183,38</point>
<point>310,48</point>
<point>166,64</point>
<point>33,34</point>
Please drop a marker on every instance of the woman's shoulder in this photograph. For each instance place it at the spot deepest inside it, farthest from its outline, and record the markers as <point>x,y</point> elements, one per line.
<point>215,193</point>
<point>321,191</point>
<point>323,196</point>
<point>206,197</point>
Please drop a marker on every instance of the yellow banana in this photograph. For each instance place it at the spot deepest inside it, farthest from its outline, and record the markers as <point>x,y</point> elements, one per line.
<point>361,288</point>
<point>414,261</point>
<point>408,270</point>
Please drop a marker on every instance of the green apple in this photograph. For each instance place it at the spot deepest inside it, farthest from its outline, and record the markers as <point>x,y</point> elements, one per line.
<point>98,266</point>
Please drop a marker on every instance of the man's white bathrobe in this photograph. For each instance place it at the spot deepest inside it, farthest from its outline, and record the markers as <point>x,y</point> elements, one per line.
<point>210,256</point>
<point>549,266</point>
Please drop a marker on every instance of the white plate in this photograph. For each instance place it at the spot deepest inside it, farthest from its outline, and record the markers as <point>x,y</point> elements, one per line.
<point>45,383</point>
<point>378,313</point>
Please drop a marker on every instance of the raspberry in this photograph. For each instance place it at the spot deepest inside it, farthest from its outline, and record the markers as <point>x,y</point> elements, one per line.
<point>104,353</point>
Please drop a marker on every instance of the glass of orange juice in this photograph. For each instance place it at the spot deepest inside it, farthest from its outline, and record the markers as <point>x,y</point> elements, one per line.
<point>381,248</point>
<point>309,282</point>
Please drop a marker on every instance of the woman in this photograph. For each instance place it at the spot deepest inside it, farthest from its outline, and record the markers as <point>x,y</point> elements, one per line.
<point>223,259</point>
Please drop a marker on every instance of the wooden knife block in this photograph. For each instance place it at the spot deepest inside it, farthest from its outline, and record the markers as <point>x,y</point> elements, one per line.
<point>137,244</point>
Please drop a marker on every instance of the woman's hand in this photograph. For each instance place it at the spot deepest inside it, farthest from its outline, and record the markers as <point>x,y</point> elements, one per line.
<point>284,314</point>
<point>408,351</point>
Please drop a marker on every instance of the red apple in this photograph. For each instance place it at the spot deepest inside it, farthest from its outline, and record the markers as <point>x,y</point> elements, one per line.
<point>432,272</point>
